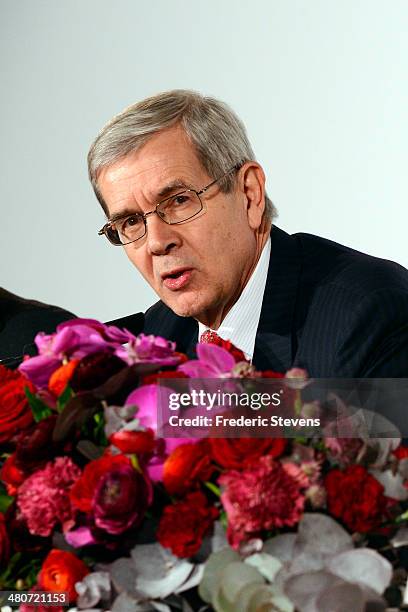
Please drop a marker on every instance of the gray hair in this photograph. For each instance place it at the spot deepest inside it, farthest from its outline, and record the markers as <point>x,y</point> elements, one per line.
<point>215,131</point>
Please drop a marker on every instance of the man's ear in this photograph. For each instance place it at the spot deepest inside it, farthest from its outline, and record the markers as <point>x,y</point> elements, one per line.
<point>252,185</point>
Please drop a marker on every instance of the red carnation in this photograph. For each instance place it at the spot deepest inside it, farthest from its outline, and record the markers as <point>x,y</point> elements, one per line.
<point>238,453</point>
<point>15,412</point>
<point>262,497</point>
<point>83,491</point>
<point>356,498</point>
<point>184,524</point>
<point>187,465</point>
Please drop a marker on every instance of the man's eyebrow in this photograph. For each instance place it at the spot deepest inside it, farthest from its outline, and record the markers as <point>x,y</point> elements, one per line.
<point>126,212</point>
<point>173,186</point>
<point>176,185</point>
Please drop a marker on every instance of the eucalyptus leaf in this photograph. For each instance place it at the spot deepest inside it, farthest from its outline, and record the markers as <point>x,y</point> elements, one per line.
<point>266,565</point>
<point>234,577</point>
<point>303,589</point>
<point>123,576</point>
<point>92,589</point>
<point>393,484</point>
<point>219,537</point>
<point>212,572</point>
<point>400,538</point>
<point>125,603</point>
<point>268,598</point>
<point>281,547</point>
<point>193,580</point>
<point>341,597</point>
<point>158,572</point>
<point>322,535</point>
<point>363,566</point>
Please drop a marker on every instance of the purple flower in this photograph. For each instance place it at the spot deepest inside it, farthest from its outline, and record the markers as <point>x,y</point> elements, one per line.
<point>213,362</point>
<point>73,339</point>
<point>149,349</point>
<point>121,499</point>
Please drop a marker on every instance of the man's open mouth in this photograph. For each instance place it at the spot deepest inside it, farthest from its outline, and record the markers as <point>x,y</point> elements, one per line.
<point>176,279</point>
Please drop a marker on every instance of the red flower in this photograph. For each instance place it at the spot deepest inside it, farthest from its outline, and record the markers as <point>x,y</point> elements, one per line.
<point>93,370</point>
<point>34,447</point>
<point>61,377</point>
<point>83,491</point>
<point>356,498</point>
<point>15,412</point>
<point>4,542</point>
<point>401,452</point>
<point>121,499</point>
<point>187,465</point>
<point>11,475</point>
<point>272,374</point>
<point>262,497</point>
<point>60,571</point>
<point>151,379</point>
<point>238,453</point>
<point>135,442</point>
<point>184,524</point>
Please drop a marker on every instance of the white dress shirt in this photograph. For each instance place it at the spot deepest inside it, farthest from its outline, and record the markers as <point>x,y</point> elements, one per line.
<point>241,323</point>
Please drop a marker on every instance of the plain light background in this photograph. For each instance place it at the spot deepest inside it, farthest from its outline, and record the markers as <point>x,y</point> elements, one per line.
<point>320,84</point>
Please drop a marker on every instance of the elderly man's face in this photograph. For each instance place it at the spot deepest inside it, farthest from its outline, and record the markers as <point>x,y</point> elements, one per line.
<point>211,256</point>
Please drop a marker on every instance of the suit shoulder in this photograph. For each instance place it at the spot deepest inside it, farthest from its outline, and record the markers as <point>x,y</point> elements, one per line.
<point>334,266</point>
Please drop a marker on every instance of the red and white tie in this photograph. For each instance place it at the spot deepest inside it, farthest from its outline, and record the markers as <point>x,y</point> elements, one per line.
<point>209,337</point>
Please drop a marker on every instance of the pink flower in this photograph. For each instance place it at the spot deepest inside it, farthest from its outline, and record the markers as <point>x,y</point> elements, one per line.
<point>213,362</point>
<point>149,349</point>
<point>43,498</point>
<point>146,398</point>
<point>264,496</point>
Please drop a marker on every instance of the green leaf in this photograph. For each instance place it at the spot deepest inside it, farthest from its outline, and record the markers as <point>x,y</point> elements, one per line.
<point>213,488</point>
<point>64,398</point>
<point>5,502</point>
<point>39,409</point>
<point>402,517</point>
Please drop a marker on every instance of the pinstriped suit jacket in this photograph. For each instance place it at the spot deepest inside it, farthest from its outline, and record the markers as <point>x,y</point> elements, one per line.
<point>332,310</point>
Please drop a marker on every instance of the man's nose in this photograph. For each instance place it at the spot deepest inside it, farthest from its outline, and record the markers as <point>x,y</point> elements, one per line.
<point>161,237</point>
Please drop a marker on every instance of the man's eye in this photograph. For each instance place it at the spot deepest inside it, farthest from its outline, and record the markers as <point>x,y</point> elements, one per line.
<point>130,222</point>
<point>183,198</point>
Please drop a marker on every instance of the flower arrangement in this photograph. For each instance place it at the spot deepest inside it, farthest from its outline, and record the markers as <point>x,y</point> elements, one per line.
<point>95,504</point>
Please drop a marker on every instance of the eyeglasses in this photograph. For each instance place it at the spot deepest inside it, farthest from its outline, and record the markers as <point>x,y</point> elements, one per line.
<point>176,209</point>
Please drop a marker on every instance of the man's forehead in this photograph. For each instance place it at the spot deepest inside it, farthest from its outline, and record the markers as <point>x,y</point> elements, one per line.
<point>167,151</point>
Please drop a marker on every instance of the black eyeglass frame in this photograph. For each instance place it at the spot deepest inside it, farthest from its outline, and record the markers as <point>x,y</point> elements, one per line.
<point>105,229</point>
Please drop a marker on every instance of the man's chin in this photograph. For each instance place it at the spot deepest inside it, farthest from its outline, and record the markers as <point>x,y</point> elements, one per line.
<point>183,308</point>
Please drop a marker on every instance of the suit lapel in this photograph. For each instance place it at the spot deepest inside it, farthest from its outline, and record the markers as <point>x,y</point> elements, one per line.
<point>275,345</point>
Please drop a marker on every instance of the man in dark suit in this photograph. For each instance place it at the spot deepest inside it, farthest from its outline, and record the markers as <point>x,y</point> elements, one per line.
<point>183,194</point>
<point>20,321</point>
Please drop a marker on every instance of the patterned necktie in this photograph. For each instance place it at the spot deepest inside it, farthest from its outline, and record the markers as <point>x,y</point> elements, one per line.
<point>209,337</point>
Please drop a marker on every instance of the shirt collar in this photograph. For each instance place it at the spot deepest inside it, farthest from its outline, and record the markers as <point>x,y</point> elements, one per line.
<point>241,323</point>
